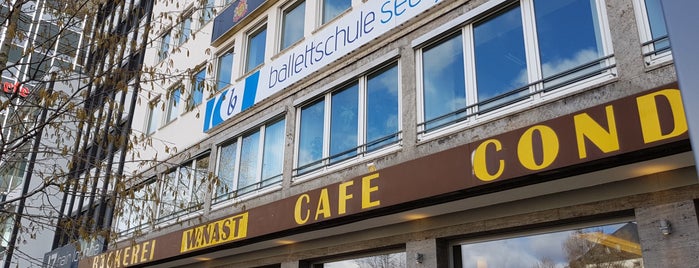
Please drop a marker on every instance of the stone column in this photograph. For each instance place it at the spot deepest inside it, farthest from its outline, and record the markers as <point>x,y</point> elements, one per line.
<point>679,248</point>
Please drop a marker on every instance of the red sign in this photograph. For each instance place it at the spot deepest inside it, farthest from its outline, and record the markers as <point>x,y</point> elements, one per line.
<point>11,88</point>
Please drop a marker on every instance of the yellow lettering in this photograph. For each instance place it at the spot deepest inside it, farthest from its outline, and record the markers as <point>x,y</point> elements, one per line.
<point>586,127</point>
<point>304,198</point>
<point>549,144</point>
<point>152,249</point>
<point>134,253</point>
<point>367,189</point>
<point>480,167</point>
<point>650,119</point>
<point>343,197</point>
<point>144,250</point>
<point>323,204</point>
<point>127,253</point>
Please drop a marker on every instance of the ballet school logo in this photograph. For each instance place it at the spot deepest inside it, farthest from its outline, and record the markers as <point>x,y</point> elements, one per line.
<point>240,11</point>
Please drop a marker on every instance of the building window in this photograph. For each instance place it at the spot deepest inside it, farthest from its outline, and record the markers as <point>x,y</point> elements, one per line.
<point>154,114</point>
<point>333,8</point>
<point>256,48</point>
<point>508,57</point>
<point>614,245</point>
<point>208,12</point>
<point>398,259</point>
<point>164,46</point>
<point>293,19</point>
<point>173,104</point>
<point>251,161</point>
<point>197,94</point>
<point>224,72</point>
<point>183,188</point>
<point>137,207</point>
<point>652,31</point>
<point>185,29</point>
<point>358,118</point>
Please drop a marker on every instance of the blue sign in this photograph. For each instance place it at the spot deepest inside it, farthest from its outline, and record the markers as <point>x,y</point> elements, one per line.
<point>233,14</point>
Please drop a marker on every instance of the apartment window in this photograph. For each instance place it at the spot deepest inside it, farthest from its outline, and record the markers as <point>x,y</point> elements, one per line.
<point>508,57</point>
<point>224,72</point>
<point>183,188</point>
<point>360,117</point>
<point>293,19</point>
<point>256,48</point>
<point>154,114</point>
<point>612,245</point>
<point>197,94</point>
<point>138,207</point>
<point>652,30</point>
<point>164,46</point>
<point>251,161</point>
<point>185,29</point>
<point>173,104</point>
<point>333,8</point>
<point>207,13</point>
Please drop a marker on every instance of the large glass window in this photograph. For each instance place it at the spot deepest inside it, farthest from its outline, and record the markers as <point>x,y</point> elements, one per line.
<point>208,12</point>
<point>333,8</point>
<point>520,52</point>
<point>137,207</point>
<point>224,72</point>
<point>197,94</point>
<point>256,48</point>
<point>653,32</point>
<point>154,113</point>
<point>614,245</point>
<point>292,24</point>
<point>183,188</point>
<point>173,104</point>
<point>250,162</point>
<point>164,46</point>
<point>185,29</point>
<point>360,117</point>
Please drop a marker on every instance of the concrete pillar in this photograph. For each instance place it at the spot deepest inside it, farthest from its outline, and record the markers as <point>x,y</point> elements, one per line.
<point>678,249</point>
<point>291,264</point>
<point>434,253</point>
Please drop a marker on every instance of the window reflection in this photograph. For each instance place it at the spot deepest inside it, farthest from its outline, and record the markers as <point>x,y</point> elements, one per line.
<point>292,27</point>
<point>382,108</point>
<point>333,8</point>
<point>224,71</point>
<point>343,124</point>
<point>444,81</point>
<point>394,260</point>
<point>568,34</point>
<point>501,64</point>
<point>273,157</point>
<point>612,246</point>
<point>248,161</point>
<point>256,49</point>
<point>656,21</point>
<point>311,135</point>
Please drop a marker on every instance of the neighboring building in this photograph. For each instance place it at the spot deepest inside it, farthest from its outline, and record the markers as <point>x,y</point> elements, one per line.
<point>40,43</point>
<point>448,133</point>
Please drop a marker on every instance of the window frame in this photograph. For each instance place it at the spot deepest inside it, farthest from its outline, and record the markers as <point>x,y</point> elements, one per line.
<point>173,104</point>
<point>258,186</point>
<point>153,124</point>
<point>178,211</point>
<point>550,228</point>
<point>325,164</point>
<point>233,68</point>
<point>249,36</point>
<point>285,10</point>
<point>537,92</point>
<point>321,12</point>
<point>650,55</point>
<point>196,85</point>
<point>165,42</point>
<point>183,28</point>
